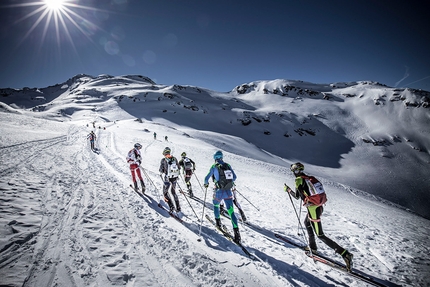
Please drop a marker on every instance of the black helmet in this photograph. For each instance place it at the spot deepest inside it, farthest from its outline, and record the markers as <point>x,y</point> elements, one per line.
<point>166,151</point>
<point>137,145</point>
<point>297,167</point>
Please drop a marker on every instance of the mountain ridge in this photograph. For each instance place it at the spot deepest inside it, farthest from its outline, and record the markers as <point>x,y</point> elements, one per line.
<point>329,127</point>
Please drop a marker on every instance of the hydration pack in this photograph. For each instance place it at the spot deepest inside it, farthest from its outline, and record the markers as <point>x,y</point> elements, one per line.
<point>317,194</point>
<point>225,181</point>
<point>187,164</point>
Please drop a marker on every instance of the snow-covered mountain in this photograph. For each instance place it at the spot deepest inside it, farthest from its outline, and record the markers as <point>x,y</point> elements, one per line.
<point>71,220</point>
<point>361,134</point>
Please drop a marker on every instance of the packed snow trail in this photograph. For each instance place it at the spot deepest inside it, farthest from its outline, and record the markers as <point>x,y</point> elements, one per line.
<point>71,219</point>
<point>87,229</point>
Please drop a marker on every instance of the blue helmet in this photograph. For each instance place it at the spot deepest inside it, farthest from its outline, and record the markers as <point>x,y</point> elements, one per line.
<point>218,155</point>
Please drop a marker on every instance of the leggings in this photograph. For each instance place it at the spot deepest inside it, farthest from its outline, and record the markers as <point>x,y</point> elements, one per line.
<point>313,226</point>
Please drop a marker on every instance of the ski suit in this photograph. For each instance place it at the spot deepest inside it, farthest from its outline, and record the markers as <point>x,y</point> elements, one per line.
<point>134,159</point>
<point>221,194</point>
<point>236,203</point>
<point>313,219</point>
<point>188,171</point>
<point>92,137</point>
<point>169,170</point>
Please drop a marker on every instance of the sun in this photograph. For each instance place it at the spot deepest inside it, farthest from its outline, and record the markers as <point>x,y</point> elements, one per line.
<point>59,20</point>
<point>54,5</point>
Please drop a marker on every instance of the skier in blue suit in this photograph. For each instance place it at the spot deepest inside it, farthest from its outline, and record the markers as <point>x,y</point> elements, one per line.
<point>224,177</point>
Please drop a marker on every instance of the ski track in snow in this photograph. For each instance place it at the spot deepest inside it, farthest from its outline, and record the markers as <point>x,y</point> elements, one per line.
<point>70,219</point>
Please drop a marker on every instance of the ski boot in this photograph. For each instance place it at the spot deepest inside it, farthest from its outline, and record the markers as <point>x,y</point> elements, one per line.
<point>190,191</point>
<point>313,250</point>
<point>135,186</point>
<point>236,238</point>
<point>347,257</point>
<point>242,214</point>
<point>171,208</point>
<point>222,209</point>
<point>218,223</point>
<point>143,186</point>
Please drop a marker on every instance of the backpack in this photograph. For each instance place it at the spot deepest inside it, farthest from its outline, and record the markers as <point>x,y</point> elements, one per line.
<point>225,181</point>
<point>187,164</point>
<point>172,168</point>
<point>317,194</point>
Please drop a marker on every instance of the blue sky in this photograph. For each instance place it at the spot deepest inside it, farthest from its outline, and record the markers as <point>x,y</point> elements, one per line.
<point>218,45</point>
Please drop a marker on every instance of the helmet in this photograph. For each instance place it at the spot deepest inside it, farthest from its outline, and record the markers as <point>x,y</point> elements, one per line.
<point>137,145</point>
<point>297,167</point>
<point>218,155</point>
<point>183,154</point>
<point>166,150</point>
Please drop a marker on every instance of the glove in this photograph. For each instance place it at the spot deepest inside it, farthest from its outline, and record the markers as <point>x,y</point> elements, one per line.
<point>139,161</point>
<point>287,188</point>
<point>206,185</point>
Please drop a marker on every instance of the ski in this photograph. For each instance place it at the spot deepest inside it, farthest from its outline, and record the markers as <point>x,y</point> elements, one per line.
<point>330,262</point>
<point>96,150</point>
<point>172,214</point>
<point>224,231</point>
<point>222,212</point>
<point>138,191</point>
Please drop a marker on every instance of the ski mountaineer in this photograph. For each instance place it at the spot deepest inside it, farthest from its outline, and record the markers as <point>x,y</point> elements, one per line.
<point>223,176</point>
<point>315,209</point>
<point>169,172</point>
<point>134,159</point>
<point>236,203</point>
<point>189,167</point>
<point>92,137</point>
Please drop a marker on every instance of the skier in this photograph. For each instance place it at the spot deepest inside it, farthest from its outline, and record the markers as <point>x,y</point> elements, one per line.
<point>224,177</point>
<point>236,203</point>
<point>155,135</point>
<point>92,137</point>
<point>169,172</point>
<point>165,138</point>
<point>315,209</point>
<point>134,159</point>
<point>189,167</point>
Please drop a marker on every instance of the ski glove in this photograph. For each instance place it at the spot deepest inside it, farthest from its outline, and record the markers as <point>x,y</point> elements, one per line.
<point>206,185</point>
<point>287,188</point>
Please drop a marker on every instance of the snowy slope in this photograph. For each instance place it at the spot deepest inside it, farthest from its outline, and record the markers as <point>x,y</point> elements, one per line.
<point>70,219</point>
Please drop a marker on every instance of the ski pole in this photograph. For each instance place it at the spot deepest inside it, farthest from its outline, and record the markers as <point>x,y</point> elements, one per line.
<point>298,217</point>
<point>247,200</point>
<point>203,214</point>
<point>149,179</point>
<point>300,212</point>
<point>188,201</point>
<point>198,180</point>
<point>147,176</point>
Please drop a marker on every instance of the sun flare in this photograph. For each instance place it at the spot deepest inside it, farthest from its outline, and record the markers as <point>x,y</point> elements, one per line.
<point>61,18</point>
<point>54,4</point>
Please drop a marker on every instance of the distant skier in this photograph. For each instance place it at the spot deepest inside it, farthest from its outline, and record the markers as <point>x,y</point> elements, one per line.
<point>188,166</point>
<point>310,190</point>
<point>169,172</point>
<point>155,136</point>
<point>165,138</point>
<point>224,178</point>
<point>134,159</point>
<point>92,137</point>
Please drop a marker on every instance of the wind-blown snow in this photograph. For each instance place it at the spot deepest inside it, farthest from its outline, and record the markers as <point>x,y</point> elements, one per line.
<point>70,219</point>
